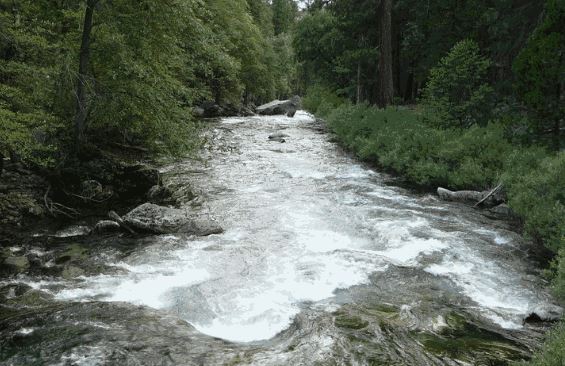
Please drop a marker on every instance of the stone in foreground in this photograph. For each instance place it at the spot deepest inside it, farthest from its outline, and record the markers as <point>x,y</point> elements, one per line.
<point>164,220</point>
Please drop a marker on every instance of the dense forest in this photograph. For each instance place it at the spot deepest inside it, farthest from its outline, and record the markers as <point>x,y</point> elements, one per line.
<point>93,71</point>
<point>450,93</point>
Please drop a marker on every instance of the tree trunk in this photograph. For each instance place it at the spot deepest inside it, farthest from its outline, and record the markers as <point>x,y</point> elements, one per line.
<point>557,125</point>
<point>386,86</point>
<point>358,82</point>
<point>84,59</point>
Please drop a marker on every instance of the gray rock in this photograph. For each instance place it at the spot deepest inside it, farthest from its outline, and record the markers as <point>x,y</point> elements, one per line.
<point>72,231</point>
<point>164,220</point>
<point>503,210</point>
<point>544,313</point>
<point>278,135</point>
<point>198,112</point>
<point>158,193</point>
<point>17,263</point>
<point>91,188</point>
<point>289,106</point>
<point>105,226</point>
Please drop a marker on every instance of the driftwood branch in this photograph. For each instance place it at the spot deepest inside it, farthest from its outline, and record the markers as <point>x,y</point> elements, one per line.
<point>114,216</point>
<point>55,208</point>
<point>493,191</point>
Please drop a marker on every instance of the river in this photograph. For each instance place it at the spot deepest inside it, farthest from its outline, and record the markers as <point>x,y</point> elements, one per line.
<point>323,261</point>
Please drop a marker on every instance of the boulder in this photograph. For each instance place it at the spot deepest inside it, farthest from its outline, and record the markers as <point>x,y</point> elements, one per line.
<point>198,112</point>
<point>288,107</point>
<point>211,109</point>
<point>502,210</point>
<point>277,135</point>
<point>158,194</point>
<point>136,180</point>
<point>16,264</point>
<point>164,220</point>
<point>106,226</point>
<point>544,313</point>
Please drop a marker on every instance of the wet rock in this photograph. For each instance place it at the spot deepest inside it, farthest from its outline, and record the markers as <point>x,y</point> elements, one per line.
<point>91,188</point>
<point>159,194</point>
<point>73,254</point>
<point>14,290</point>
<point>73,231</point>
<point>211,109</point>
<point>544,313</point>
<point>106,226</point>
<point>163,220</point>
<point>278,135</point>
<point>71,272</point>
<point>289,106</point>
<point>136,180</point>
<point>16,264</point>
<point>439,324</point>
<point>502,210</point>
<point>291,113</point>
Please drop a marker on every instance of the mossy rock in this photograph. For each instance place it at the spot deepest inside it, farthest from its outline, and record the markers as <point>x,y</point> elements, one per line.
<point>17,264</point>
<point>71,272</point>
<point>74,252</point>
<point>347,321</point>
<point>465,341</point>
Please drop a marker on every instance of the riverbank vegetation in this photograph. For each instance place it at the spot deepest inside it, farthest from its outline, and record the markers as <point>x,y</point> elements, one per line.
<point>94,72</point>
<point>477,100</point>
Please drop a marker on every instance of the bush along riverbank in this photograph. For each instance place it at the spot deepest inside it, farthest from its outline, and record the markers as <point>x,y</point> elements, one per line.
<point>401,141</point>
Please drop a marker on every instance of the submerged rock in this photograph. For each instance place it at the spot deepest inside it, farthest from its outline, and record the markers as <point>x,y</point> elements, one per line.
<point>164,220</point>
<point>16,264</point>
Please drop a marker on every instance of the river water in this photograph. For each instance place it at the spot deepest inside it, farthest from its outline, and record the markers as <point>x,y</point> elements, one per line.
<point>323,261</point>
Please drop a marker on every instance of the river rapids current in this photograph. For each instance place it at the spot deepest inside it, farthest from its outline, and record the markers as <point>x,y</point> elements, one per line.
<point>324,261</point>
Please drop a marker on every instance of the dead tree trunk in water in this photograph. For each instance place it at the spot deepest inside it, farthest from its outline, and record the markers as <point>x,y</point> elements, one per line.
<point>386,86</point>
<point>84,59</point>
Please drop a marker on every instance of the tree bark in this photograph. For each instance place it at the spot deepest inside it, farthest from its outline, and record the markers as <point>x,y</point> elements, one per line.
<point>386,86</point>
<point>358,82</point>
<point>557,125</point>
<point>84,59</point>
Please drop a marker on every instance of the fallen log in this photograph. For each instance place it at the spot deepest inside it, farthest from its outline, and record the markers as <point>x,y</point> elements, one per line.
<point>487,198</point>
<point>117,218</point>
<point>494,190</point>
<point>459,196</point>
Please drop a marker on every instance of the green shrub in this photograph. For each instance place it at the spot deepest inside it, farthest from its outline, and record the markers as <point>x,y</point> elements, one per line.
<point>536,190</point>
<point>457,94</point>
<point>553,352</point>
<point>321,101</point>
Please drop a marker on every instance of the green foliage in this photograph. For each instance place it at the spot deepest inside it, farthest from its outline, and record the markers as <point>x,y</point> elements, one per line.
<point>540,69</point>
<point>553,352</point>
<point>284,13</point>
<point>320,101</point>
<point>536,191</point>
<point>397,139</point>
<point>457,94</point>
<point>149,64</point>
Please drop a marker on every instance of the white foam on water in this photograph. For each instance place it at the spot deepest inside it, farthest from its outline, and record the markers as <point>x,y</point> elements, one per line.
<point>144,285</point>
<point>499,294</point>
<point>291,244</point>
